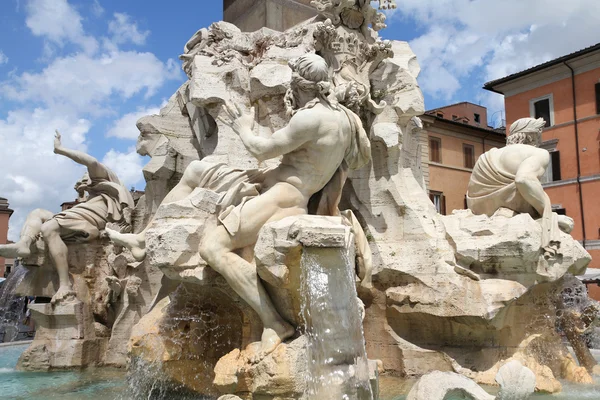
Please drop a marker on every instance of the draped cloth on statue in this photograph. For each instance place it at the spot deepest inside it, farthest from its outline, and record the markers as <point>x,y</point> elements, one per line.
<point>492,187</point>
<point>108,199</point>
<point>238,186</point>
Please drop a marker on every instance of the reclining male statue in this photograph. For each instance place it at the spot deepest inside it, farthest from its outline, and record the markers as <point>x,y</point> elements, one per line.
<point>510,177</point>
<point>106,202</point>
<point>321,141</point>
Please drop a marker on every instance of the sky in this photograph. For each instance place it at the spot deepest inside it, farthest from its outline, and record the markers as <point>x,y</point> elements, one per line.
<point>91,68</point>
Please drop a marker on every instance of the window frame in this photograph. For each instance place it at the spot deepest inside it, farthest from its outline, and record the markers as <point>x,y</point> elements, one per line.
<point>472,147</point>
<point>550,98</point>
<point>439,140</point>
<point>442,201</point>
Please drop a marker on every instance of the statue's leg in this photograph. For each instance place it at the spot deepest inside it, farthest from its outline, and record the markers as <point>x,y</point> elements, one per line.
<point>277,203</point>
<point>58,251</point>
<point>30,230</point>
<point>136,242</point>
<point>191,179</point>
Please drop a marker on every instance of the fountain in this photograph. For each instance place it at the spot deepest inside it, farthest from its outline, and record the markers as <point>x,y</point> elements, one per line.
<point>12,306</point>
<point>232,278</point>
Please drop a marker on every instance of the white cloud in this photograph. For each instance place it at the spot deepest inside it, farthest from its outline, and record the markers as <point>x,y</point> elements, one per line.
<point>123,30</point>
<point>127,166</point>
<point>3,58</point>
<point>125,127</point>
<point>84,83</point>
<point>33,176</point>
<point>474,41</point>
<point>58,22</point>
<point>67,94</point>
<point>97,9</point>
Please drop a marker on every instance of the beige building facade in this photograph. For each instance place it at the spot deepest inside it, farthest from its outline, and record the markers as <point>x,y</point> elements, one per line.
<point>5,213</point>
<point>453,138</point>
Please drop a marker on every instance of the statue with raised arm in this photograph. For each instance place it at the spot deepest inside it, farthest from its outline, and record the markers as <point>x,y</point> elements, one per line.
<point>510,177</point>
<point>106,201</point>
<point>322,140</point>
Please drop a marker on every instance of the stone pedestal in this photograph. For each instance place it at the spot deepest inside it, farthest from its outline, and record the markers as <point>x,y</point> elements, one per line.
<point>251,15</point>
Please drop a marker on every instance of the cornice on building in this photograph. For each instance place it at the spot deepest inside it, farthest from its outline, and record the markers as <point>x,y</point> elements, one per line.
<point>549,72</point>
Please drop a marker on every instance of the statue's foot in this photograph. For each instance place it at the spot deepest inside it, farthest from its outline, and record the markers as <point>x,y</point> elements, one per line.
<point>135,242</point>
<point>271,338</point>
<point>14,250</point>
<point>63,295</point>
<point>565,224</point>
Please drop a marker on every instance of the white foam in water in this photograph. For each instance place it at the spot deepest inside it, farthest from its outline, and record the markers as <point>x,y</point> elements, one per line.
<point>338,367</point>
<point>12,307</point>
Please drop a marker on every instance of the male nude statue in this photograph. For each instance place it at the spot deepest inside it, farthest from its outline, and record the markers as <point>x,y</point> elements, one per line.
<point>321,138</point>
<point>510,177</point>
<point>106,202</point>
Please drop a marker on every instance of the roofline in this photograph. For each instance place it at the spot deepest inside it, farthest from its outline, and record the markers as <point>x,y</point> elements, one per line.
<point>456,104</point>
<point>490,85</point>
<point>482,130</point>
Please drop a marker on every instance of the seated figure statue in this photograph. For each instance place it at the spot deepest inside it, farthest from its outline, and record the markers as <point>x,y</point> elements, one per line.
<point>322,140</point>
<point>510,177</point>
<point>106,202</point>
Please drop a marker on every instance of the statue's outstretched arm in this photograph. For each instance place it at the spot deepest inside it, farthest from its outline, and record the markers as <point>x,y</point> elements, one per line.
<point>95,168</point>
<point>528,182</point>
<point>295,134</point>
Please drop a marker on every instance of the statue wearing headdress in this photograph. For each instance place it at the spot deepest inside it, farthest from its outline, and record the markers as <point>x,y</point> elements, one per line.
<point>510,177</point>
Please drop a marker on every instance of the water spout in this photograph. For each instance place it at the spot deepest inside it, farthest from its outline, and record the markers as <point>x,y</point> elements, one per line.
<point>338,367</point>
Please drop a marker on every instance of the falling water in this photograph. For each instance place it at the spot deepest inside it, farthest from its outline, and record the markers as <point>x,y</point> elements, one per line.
<point>338,367</point>
<point>11,306</point>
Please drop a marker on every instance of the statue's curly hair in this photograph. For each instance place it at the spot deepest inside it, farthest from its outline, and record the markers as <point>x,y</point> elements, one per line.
<point>310,73</point>
<point>526,131</point>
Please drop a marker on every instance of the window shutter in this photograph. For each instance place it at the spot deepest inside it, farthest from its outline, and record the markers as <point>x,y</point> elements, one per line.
<point>555,155</point>
<point>597,98</point>
<point>443,207</point>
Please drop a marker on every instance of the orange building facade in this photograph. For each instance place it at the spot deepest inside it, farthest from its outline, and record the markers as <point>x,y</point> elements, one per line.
<point>5,214</point>
<point>566,93</point>
<point>455,136</point>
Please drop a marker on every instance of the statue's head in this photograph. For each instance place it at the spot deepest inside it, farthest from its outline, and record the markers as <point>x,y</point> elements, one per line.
<point>82,184</point>
<point>148,137</point>
<point>526,131</point>
<point>310,80</point>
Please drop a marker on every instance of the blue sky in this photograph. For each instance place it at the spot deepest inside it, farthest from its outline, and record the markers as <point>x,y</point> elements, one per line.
<point>92,68</point>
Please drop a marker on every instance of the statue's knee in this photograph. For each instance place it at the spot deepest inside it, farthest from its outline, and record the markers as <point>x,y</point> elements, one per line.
<point>210,251</point>
<point>49,228</point>
<point>194,172</point>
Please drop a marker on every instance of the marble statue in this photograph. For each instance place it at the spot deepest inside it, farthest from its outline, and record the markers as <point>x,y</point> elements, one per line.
<point>322,138</point>
<point>107,201</point>
<point>510,177</point>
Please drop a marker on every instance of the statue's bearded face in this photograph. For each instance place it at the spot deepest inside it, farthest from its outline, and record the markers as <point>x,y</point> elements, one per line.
<point>146,143</point>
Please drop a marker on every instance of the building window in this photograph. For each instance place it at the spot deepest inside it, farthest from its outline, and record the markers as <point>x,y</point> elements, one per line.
<point>454,117</point>
<point>477,118</point>
<point>552,173</point>
<point>439,201</point>
<point>598,98</point>
<point>543,107</point>
<point>469,156</point>
<point>435,150</point>
<point>440,115</point>
<point>559,209</point>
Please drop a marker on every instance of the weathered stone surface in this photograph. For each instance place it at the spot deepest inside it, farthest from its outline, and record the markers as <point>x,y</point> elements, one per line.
<point>437,385</point>
<point>509,245</point>
<point>516,381</point>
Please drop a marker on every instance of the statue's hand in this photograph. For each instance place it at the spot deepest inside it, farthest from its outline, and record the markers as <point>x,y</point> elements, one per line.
<point>238,119</point>
<point>57,141</point>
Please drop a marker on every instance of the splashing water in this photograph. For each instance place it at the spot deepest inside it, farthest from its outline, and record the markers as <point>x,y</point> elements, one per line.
<point>338,367</point>
<point>12,307</point>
